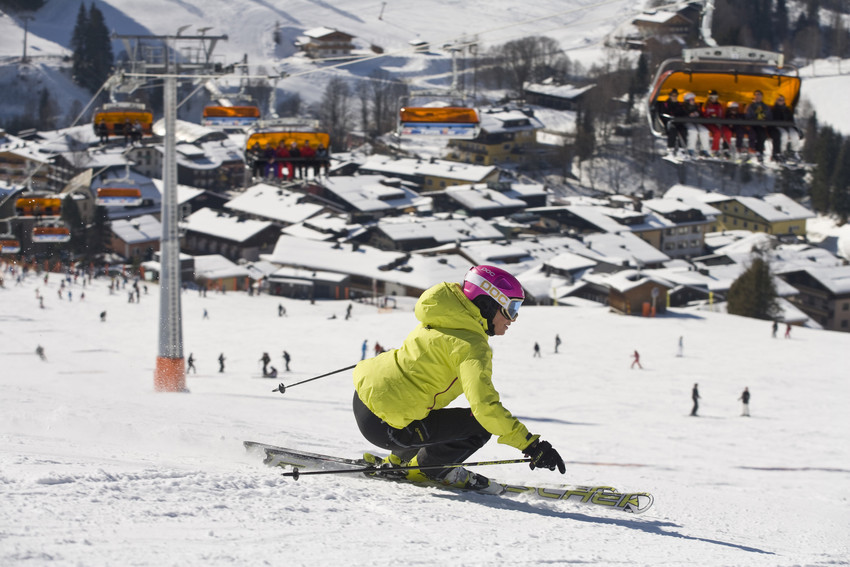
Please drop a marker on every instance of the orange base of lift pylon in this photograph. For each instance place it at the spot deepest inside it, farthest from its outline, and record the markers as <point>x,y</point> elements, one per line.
<point>169,375</point>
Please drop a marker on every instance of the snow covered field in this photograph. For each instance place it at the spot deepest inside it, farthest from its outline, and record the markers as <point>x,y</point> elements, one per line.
<point>96,468</point>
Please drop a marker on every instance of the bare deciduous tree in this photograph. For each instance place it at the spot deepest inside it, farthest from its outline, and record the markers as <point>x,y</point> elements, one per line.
<point>386,94</point>
<point>335,112</point>
<point>529,59</point>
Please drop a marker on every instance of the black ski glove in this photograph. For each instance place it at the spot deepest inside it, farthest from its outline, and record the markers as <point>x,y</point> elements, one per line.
<point>544,456</point>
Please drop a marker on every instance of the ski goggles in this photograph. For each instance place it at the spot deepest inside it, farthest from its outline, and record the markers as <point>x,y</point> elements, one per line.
<point>508,306</point>
<point>511,312</point>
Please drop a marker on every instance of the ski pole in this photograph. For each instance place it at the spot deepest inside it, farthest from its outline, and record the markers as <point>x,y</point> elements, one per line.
<point>297,473</point>
<point>282,388</point>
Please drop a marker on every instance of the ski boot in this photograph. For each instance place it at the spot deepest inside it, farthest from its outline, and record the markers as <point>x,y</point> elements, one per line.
<point>459,477</point>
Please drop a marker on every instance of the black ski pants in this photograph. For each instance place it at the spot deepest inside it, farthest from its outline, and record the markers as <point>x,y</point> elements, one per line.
<point>449,435</point>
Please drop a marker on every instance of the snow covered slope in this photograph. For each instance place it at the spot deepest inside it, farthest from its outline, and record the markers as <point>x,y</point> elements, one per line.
<point>98,469</point>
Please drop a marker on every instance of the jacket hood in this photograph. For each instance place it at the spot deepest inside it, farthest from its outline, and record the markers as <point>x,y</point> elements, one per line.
<point>445,306</point>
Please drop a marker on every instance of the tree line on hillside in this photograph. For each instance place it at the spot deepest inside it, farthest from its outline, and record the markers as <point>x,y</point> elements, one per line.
<point>830,185</point>
<point>767,24</point>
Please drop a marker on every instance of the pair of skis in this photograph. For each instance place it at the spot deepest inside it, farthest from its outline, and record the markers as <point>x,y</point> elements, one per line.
<point>603,496</point>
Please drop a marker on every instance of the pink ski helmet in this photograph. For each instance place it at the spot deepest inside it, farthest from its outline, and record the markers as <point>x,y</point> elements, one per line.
<point>498,285</point>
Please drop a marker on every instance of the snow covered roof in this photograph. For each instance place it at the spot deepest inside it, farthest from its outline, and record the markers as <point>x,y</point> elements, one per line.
<point>387,165</point>
<point>145,228</point>
<point>682,203</point>
<point>748,242</point>
<point>479,196</point>
<point>320,32</point>
<point>68,139</point>
<point>836,279</point>
<point>626,280</point>
<point>216,266</point>
<point>560,91</point>
<point>189,132</point>
<point>23,148</point>
<point>773,207</point>
<point>371,193</point>
<point>725,275</point>
<point>417,271</point>
<point>717,240</point>
<point>569,261</point>
<point>441,230</point>
<point>301,274</point>
<point>233,228</point>
<point>656,17</point>
<point>601,217</point>
<point>689,193</point>
<point>496,120</point>
<point>275,203</point>
<point>625,248</point>
<point>777,207</point>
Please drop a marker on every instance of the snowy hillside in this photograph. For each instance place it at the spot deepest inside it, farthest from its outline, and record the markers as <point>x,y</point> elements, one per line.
<point>98,469</point>
<point>250,25</point>
<point>581,27</point>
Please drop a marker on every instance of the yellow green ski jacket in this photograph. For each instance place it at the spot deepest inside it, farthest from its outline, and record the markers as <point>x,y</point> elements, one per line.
<point>445,356</point>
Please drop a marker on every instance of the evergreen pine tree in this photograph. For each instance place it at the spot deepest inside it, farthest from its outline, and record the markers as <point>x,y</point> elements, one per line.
<point>47,110</point>
<point>92,47</point>
<point>80,64</point>
<point>753,294</point>
<point>98,48</point>
<point>780,21</point>
<point>839,194</point>
<point>825,149</point>
<point>585,134</point>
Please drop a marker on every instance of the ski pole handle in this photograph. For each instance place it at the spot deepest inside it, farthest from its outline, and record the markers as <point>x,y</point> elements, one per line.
<point>296,473</point>
<point>282,387</point>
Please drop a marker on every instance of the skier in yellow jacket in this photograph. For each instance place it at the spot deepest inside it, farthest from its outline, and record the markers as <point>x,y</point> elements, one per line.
<point>401,395</point>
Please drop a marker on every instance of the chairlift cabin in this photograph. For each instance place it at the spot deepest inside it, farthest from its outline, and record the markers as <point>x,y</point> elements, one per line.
<point>118,197</point>
<point>441,121</point>
<point>230,116</point>
<point>9,245</point>
<point>271,134</point>
<point>271,137</point>
<point>734,72</point>
<point>50,233</point>
<point>118,118</point>
<point>38,206</point>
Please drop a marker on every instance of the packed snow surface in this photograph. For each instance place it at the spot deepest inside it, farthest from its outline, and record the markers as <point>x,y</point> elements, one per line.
<point>97,468</point>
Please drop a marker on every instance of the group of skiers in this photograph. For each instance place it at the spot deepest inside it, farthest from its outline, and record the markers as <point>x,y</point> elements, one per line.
<point>296,161</point>
<point>785,137</point>
<point>132,131</point>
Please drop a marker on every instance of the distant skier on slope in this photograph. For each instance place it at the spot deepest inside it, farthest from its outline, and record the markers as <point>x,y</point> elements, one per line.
<point>695,397</point>
<point>401,395</point>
